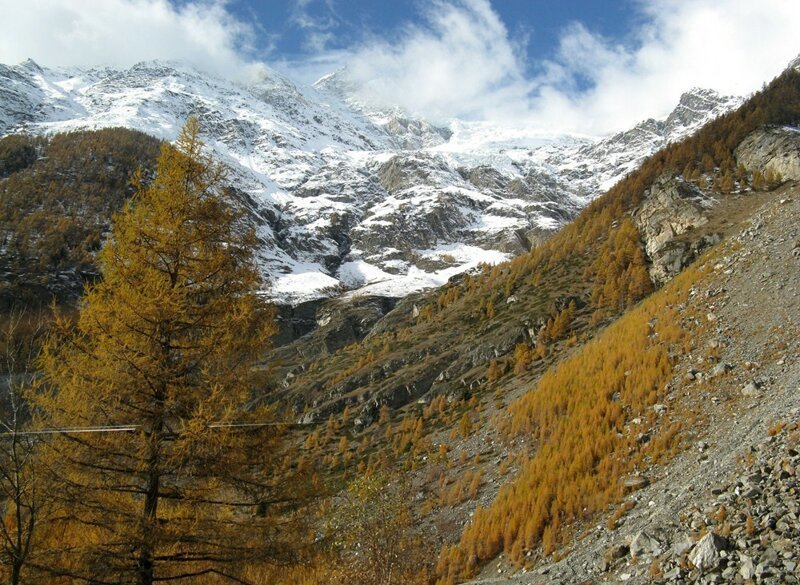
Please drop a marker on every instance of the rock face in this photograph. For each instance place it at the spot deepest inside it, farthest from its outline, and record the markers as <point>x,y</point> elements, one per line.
<point>690,110</point>
<point>295,321</point>
<point>671,208</point>
<point>775,150</point>
<point>334,323</point>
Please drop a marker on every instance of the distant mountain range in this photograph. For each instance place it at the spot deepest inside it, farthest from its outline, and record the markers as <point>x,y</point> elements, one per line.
<point>349,197</point>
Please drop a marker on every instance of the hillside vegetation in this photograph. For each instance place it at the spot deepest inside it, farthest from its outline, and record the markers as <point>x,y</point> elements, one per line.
<point>578,419</point>
<point>57,195</point>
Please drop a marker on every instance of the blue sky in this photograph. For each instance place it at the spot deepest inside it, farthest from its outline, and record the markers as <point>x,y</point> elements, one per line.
<point>587,67</point>
<point>294,30</point>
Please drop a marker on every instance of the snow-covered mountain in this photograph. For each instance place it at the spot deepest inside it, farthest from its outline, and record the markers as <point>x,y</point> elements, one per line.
<point>349,197</point>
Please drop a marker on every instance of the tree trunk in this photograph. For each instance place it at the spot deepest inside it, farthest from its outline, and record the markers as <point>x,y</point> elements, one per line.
<point>16,572</point>
<point>153,488</point>
<point>150,509</point>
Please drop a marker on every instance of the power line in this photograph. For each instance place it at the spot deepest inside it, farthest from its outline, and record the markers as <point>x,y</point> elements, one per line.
<point>134,428</point>
<point>75,430</point>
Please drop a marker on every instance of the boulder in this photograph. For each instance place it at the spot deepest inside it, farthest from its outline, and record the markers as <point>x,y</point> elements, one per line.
<point>682,545</point>
<point>750,389</point>
<point>746,567</point>
<point>617,551</point>
<point>635,482</point>
<point>706,553</point>
<point>720,370</point>
<point>644,544</point>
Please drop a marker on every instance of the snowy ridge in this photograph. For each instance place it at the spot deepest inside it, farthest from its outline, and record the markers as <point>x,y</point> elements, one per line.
<point>349,197</point>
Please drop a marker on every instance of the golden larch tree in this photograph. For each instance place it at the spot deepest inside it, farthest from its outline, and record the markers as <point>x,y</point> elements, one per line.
<point>183,480</point>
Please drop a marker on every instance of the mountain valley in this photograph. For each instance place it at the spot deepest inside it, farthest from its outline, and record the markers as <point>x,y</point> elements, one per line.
<point>562,359</point>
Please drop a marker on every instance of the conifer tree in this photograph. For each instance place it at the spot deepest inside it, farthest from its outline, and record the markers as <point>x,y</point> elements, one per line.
<point>24,498</point>
<point>162,353</point>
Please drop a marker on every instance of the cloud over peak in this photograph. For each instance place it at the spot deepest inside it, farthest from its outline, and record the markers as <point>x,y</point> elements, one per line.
<point>463,63</point>
<point>457,60</point>
<point>123,32</point>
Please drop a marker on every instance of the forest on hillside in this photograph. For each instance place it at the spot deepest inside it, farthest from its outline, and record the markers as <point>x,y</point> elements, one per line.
<point>57,196</point>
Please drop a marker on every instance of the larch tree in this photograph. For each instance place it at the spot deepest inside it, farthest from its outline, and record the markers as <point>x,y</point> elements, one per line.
<point>184,479</point>
<point>24,497</point>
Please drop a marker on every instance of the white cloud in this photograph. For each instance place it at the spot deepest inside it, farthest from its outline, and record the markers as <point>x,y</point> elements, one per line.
<point>462,62</point>
<point>124,32</point>
<point>317,28</point>
<point>732,46</point>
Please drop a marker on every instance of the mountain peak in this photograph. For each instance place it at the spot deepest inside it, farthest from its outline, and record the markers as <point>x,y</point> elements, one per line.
<point>330,80</point>
<point>699,92</point>
<point>347,195</point>
<point>31,65</point>
<point>695,107</point>
<point>166,68</point>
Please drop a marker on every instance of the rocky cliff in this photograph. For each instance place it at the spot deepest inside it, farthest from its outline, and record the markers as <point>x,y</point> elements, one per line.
<point>674,210</point>
<point>671,208</point>
<point>773,150</point>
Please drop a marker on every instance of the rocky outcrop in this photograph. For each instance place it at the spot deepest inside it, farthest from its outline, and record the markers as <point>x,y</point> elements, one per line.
<point>404,172</point>
<point>295,321</point>
<point>484,177</point>
<point>412,134</point>
<point>334,323</point>
<point>772,150</point>
<point>671,208</point>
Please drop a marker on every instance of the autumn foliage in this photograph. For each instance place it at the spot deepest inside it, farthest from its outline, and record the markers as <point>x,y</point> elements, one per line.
<point>57,195</point>
<point>579,421</point>
<point>162,353</point>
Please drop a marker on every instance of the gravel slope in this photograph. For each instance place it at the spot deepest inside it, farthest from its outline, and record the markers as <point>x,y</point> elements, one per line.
<point>744,375</point>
